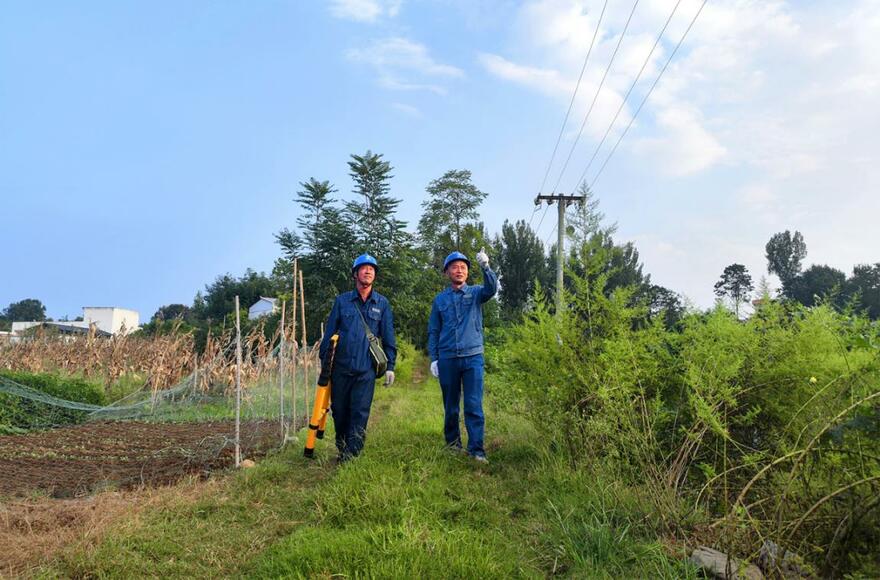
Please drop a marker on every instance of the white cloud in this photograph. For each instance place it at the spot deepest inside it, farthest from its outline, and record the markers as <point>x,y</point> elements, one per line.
<point>364,10</point>
<point>408,110</point>
<point>401,64</point>
<point>686,147</point>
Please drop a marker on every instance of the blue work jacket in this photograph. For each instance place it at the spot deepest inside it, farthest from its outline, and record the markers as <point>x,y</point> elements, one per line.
<point>353,348</point>
<point>455,328</point>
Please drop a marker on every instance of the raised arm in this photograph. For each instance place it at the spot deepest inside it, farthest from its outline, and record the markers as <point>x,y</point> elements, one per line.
<point>490,285</point>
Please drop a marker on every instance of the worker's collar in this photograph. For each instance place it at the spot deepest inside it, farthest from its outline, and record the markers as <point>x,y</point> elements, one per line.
<point>452,289</point>
<point>355,295</point>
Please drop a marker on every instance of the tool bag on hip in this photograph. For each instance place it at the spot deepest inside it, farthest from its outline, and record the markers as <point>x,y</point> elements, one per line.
<point>377,355</point>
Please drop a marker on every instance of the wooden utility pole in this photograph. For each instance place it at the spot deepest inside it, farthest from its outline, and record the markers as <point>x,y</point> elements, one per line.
<point>237,383</point>
<point>563,202</point>
<point>293,416</point>
<point>305,343</point>
<point>281,352</point>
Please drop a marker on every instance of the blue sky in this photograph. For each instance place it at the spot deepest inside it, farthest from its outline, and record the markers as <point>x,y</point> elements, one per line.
<point>147,148</point>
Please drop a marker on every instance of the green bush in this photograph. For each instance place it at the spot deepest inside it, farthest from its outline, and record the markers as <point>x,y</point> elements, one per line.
<point>769,426</point>
<point>17,413</point>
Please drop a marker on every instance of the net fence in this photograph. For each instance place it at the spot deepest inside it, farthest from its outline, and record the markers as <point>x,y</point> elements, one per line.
<point>153,435</point>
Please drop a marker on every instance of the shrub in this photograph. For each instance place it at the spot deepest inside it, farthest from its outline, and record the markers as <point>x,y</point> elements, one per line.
<point>768,426</point>
<point>18,413</point>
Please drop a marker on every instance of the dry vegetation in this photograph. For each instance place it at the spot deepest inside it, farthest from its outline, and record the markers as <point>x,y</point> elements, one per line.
<point>158,361</point>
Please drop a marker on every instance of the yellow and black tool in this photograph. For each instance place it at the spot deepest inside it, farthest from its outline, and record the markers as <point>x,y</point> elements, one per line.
<point>322,400</point>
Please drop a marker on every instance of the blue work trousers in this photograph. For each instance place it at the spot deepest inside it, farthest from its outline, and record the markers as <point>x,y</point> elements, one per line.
<point>350,399</point>
<point>457,375</point>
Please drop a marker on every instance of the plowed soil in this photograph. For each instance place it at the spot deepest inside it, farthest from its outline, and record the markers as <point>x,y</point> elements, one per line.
<point>78,460</point>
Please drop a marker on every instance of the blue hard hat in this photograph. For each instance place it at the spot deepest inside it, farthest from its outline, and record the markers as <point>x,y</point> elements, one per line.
<point>453,257</point>
<point>362,260</point>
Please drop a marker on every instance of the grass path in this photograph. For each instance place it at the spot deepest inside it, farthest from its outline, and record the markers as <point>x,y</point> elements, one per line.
<point>405,508</point>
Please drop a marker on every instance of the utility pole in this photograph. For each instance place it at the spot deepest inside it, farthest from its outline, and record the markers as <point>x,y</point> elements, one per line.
<point>563,202</point>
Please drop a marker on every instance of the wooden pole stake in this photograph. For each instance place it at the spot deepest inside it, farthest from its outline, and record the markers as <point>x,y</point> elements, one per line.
<point>237,383</point>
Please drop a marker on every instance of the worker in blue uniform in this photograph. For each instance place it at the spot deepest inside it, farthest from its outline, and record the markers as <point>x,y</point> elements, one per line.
<point>354,375</point>
<point>455,345</point>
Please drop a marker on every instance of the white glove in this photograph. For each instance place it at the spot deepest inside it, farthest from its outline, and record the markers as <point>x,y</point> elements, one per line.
<point>389,378</point>
<point>435,369</point>
<point>482,258</point>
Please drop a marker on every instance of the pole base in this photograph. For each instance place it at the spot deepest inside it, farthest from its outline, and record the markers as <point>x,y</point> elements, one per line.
<point>320,434</point>
<point>308,452</point>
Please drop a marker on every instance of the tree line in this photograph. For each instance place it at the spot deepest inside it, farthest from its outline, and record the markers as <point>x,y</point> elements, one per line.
<point>331,229</point>
<point>785,253</point>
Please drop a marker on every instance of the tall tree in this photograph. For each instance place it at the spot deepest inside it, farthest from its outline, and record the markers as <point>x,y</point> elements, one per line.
<point>29,309</point>
<point>865,283</point>
<point>172,312</point>
<point>314,198</point>
<point>736,284</point>
<point>520,263</point>
<point>219,297</point>
<point>373,215</point>
<point>452,202</point>
<point>785,254</point>
<point>665,302</point>
<point>816,283</point>
<point>584,220</point>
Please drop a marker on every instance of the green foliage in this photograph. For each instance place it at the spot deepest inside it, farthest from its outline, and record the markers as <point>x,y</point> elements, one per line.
<point>785,254</point>
<point>219,298</point>
<point>28,309</point>
<point>172,312</point>
<point>815,284</point>
<point>864,286</point>
<point>22,414</point>
<point>521,264</point>
<point>711,410</point>
<point>449,218</point>
<point>736,284</point>
<point>372,215</point>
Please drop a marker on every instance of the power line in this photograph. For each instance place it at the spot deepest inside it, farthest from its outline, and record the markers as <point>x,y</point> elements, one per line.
<point>648,94</point>
<point>571,103</point>
<point>538,228</point>
<point>625,98</point>
<point>596,96</point>
<point>531,217</point>
<point>552,232</point>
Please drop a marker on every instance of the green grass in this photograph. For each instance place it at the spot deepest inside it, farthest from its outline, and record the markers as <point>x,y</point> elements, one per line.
<point>405,508</point>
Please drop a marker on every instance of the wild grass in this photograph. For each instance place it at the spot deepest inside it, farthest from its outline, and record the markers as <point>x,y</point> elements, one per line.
<point>406,508</point>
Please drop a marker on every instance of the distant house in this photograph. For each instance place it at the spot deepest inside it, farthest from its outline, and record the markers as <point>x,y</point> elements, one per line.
<point>105,320</point>
<point>262,307</point>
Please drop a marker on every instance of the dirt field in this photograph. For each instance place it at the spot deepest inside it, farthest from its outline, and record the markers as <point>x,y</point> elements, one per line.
<point>75,461</point>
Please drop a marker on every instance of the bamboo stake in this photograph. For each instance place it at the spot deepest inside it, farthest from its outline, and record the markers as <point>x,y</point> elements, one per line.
<point>281,371</point>
<point>237,384</point>
<point>302,308</point>
<point>293,416</point>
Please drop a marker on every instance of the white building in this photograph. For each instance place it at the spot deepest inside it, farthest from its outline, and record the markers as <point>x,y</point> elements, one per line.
<point>108,320</point>
<point>262,307</point>
<point>111,319</point>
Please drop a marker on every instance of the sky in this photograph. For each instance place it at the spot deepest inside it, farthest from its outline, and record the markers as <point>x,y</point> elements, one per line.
<point>146,148</point>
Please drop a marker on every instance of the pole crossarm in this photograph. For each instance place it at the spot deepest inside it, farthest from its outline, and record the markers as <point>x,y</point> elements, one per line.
<point>560,197</point>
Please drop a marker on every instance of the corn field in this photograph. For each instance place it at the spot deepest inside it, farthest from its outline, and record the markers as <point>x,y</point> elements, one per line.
<point>156,361</point>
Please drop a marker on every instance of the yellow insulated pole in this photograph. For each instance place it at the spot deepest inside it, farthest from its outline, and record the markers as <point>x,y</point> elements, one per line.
<point>322,400</point>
